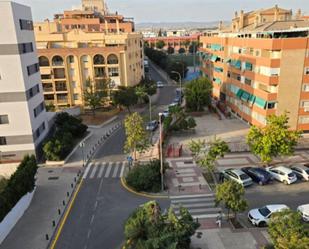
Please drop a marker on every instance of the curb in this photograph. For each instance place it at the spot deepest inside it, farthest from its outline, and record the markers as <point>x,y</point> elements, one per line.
<point>104,123</point>
<point>124,185</point>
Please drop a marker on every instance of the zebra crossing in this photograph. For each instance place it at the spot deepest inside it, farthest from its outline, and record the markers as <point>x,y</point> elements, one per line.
<point>200,206</point>
<point>105,170</point>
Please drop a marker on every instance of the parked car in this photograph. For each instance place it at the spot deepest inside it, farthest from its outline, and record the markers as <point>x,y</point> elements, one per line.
<point>301,171</point>
<point>259,175</point>
<point>152,126</point>
<point>304,211</point>
<point>179,92</point>
<point>172,105</point>
<point>177,100</point>
<point>260,216</point>
<point>166,113</point>
<point>238,176</point>
<point>160,84</point>
<point>282,174</point>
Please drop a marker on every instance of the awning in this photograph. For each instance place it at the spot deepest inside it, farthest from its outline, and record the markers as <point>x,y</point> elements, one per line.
<point>239,93</point>
<point>252,99</point>
<point>217,81</point>
<point>245,96</point>
<point>260,102</point>
<point>214,58</point>
<point>218,69</point>
<point>248,66</point>
<point>215,47</point>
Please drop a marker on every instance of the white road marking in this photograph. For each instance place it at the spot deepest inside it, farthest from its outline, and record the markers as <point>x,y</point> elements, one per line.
<point>116,169</point>
<point>94,170</point>
<point>122,170</point>
<point>95,205</point>
<point>89,233</point>
<point>92,219</point>
<point>101,170</point>
<point>108,171</point>
<point>87,171</point>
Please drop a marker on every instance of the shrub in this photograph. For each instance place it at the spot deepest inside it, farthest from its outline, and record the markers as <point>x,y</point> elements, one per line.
<point>67,128</point>
<point>146,177</point>
<point>19,184</point>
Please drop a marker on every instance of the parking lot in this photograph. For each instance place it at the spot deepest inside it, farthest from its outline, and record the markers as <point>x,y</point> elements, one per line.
<point>276,192</point>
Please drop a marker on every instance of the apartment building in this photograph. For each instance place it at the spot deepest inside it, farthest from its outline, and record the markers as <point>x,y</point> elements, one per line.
<point>260,65</point>
<point>88,43</point>
<point>23,122</point>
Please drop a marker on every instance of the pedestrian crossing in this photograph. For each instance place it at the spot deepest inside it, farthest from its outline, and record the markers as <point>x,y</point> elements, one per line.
<point>105,170</point>
<point>200,206</point>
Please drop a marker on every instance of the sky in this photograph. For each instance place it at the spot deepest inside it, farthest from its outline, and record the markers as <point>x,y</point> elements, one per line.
<point>167,11</point>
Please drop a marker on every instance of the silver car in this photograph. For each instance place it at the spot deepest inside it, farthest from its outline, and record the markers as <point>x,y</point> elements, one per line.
<point>239,176</point>
<point>301,171</point>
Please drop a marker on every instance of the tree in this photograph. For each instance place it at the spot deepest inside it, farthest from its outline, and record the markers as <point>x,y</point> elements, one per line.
<point>275,139</point>
<point>181,51</point>
<point>287,231</point>
<point>170,50</point>
<point>147,227</point>
<point>177,66</point>
<point>193,47</point>
<point>197,94</point>
<point>125,96</point>
<point>196,147</point>
<point>187,44</point>
<point>160,44</point>
<point>93,95</point>
<point>136,136</point>
<point>231,194</point>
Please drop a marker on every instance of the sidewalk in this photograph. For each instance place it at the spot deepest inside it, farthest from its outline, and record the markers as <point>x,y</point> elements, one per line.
<point>53,185</point>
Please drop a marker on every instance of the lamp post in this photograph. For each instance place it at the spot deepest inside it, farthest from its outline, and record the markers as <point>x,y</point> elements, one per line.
<point>161,152</point>
<point>180,81</point>
<point>150,116</point>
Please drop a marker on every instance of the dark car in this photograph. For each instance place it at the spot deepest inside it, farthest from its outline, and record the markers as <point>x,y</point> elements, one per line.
<point>259,175</point>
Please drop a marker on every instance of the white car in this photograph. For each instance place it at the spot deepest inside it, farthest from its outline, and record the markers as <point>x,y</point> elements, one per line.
<point>166,113</point>
<point>282,174</point>
<point>238,176</point>
<point>260,216</point>
<point>304,211</point>
<point>160,84</point>
<point>301,171</point>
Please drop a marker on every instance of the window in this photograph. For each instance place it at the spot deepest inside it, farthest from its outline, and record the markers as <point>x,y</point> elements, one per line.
<point>25,48</point>
<point>39,109</point>
<point>74,84</point>
<point>25,24</point>
<point>305,104</point>
<point>307,70</point>
<point>4,119</point>
<point>271,105</point>
<point>3,141</point>
<point>304,120</point>
<point>39,131</point>
<point>76,96</point>
<point>33,91</point>
<point>306,87</point>
<point>113,72</point>
<point>32,69</point>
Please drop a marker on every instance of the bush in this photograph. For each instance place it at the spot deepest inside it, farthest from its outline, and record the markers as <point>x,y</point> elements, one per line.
<point>67,128</point>
<point>146,177</point>
<point>19,184</point>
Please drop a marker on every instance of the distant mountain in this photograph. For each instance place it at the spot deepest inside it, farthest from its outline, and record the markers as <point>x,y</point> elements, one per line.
<point>177,25</point>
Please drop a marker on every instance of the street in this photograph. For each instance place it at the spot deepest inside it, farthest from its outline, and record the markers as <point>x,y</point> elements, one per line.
<point>102,205</point>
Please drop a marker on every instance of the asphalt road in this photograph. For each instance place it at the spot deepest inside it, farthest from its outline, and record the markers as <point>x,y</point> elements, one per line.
<point>102,205</point>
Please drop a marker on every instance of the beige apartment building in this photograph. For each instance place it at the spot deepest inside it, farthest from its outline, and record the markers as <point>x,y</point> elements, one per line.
<point>87,43</point>
<point>260,65</point>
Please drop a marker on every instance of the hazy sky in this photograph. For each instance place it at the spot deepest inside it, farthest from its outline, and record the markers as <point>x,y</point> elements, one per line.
<point>167,10</point>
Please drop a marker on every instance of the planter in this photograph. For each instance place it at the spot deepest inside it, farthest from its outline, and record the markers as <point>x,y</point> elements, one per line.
<point>235,224</point>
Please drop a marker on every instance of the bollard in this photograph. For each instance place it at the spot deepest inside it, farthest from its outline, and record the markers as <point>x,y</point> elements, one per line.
<point>74,179</point>
<point>68,194</point>
<point>71,185</point>
<point>59,211</point>
<point>46,237</point>
<point>196,219</point>
<point>63,202</point>
<point>54,223</point>
<point>200,186</point>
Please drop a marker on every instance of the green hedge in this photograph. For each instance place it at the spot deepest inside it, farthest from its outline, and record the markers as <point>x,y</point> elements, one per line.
<point>19,184</point>
<point>67,128</point>
<point>146,178</point>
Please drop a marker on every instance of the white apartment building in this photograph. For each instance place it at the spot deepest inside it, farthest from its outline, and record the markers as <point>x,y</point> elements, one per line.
<point>23,121</point>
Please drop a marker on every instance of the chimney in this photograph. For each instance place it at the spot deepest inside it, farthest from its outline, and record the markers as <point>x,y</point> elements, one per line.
<point>220,25</point>
<point>276,15</point>
<point>298,14</point>
<point>241,19</point>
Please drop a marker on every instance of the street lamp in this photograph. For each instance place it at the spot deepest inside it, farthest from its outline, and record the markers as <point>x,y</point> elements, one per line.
<point>179,75</point>
<point>161,152</point>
